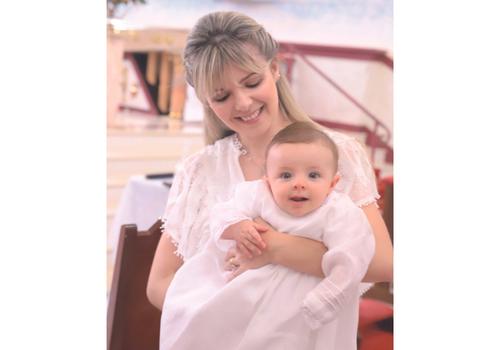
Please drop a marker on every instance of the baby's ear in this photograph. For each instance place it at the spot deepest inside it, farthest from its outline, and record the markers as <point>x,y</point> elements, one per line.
<point>334,182</point>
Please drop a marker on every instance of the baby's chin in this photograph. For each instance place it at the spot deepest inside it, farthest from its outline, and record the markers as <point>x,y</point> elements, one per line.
<point>298,212</point>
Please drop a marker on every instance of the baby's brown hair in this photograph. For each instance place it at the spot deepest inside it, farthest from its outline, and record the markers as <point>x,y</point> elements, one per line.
<point>305,132</point>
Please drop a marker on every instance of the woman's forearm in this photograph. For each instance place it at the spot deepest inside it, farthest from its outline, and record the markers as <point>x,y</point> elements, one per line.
<point>305,255</point>
<point>165,265</point>
<point>157,289</point>
<point>298,253</point>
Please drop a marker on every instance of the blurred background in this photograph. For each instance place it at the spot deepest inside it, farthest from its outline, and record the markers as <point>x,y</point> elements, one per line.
<point>337,55</point>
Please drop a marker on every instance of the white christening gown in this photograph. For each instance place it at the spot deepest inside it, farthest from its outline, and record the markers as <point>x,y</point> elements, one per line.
<point>272,307</point>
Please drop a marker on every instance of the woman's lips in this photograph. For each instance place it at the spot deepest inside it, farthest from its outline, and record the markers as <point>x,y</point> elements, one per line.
<point>252,117</point>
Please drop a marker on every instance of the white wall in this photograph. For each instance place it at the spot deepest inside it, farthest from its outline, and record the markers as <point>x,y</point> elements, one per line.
<point>354,23</point>
<point>369,83</point>
<point>361,23</point>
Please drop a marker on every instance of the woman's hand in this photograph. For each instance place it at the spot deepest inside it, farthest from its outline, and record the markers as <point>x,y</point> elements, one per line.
<point>238,262</point>
<point>297,253</point>
<point>246,233</point>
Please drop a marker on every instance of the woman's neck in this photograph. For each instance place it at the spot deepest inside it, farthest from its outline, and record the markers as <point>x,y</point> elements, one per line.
<point>256,148</point>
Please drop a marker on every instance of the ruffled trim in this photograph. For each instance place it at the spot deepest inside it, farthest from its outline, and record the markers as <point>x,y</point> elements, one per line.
<point>357,178</point>
<point>180,211</point>
<point>163,223</point>
<point>365,287</point>
<point>174,241</point>
<point>195,190</point>
<point>367,201</point>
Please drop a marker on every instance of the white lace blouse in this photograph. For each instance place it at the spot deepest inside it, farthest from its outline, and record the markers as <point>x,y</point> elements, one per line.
<point>210,176</point>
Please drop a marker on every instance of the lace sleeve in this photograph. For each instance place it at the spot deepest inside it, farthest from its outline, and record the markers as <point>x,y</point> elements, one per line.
<point>180,196</point>
<point>357,175</point>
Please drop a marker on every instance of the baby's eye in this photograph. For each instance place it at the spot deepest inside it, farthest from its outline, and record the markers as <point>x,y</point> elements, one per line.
<point>285,175</point>
<point>314,175</point>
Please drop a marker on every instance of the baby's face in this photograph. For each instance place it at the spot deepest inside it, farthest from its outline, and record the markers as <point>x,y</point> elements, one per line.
<point>300,176</point>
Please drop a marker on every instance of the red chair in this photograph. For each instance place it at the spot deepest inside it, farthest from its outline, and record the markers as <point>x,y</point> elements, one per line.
<point>375,327</point>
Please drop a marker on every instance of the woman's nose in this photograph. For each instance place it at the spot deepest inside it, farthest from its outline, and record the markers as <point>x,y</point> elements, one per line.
<point>243,102</point>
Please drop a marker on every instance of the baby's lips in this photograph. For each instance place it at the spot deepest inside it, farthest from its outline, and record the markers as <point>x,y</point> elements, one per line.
<point>298,198</point>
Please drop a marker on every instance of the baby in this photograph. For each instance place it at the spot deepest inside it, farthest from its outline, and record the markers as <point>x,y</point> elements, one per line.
<point>273,306</point>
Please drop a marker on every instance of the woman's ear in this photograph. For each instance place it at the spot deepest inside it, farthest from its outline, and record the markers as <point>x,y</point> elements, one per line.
<point>275,69</point>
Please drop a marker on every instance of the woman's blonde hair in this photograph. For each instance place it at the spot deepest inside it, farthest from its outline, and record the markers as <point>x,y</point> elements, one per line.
<point>218,40</point>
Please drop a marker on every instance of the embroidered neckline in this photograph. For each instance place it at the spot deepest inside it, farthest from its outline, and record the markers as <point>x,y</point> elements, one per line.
<point>244,152</point>
<point>237,143</point>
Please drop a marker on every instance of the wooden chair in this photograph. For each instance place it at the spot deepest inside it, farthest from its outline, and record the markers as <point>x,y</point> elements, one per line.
<point>133,323</point>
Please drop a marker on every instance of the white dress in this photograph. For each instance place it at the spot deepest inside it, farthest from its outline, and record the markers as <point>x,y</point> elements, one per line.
<point>196,190</point>
<point>272,306</point>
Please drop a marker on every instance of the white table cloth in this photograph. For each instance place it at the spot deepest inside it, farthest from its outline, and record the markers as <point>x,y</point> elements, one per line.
<point>142,203</point>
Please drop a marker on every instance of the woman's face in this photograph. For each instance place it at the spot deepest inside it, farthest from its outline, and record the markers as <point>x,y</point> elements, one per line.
<point>247,102</point>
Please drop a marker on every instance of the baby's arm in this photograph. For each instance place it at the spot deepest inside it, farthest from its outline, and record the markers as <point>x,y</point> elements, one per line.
<point>351,247</point>
<point>246,233</point>
<point>232,220</point>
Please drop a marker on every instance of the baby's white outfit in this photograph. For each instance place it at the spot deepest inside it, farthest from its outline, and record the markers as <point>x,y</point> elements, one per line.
<point>272,307</point>
<point>211,175</point>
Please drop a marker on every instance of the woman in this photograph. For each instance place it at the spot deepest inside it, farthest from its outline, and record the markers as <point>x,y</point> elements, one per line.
<point>230,61</point>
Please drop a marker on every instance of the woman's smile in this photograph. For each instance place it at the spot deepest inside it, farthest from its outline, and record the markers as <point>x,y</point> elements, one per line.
<point>251,118</point>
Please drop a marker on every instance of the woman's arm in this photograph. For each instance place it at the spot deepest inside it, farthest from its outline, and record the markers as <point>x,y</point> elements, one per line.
<point>298,253</point>
<point>165,265</point>
<point>380,269</point>
<point>305,255</point>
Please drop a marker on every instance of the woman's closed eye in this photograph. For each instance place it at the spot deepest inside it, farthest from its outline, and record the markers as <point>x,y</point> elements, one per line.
<point>252,84</point>
<point>314,175</point>
<point>220,98</point>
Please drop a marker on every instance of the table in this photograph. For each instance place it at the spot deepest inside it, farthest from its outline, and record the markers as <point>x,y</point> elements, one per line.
<point>142,203</point>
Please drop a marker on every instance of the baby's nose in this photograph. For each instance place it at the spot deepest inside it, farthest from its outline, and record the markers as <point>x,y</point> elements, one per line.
<point>299,184</point>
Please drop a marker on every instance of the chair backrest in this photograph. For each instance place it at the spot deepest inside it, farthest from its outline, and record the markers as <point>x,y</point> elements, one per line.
<point>133,323</point>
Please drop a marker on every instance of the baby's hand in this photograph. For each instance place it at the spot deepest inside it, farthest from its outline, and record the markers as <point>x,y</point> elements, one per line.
<point>246,233</point>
